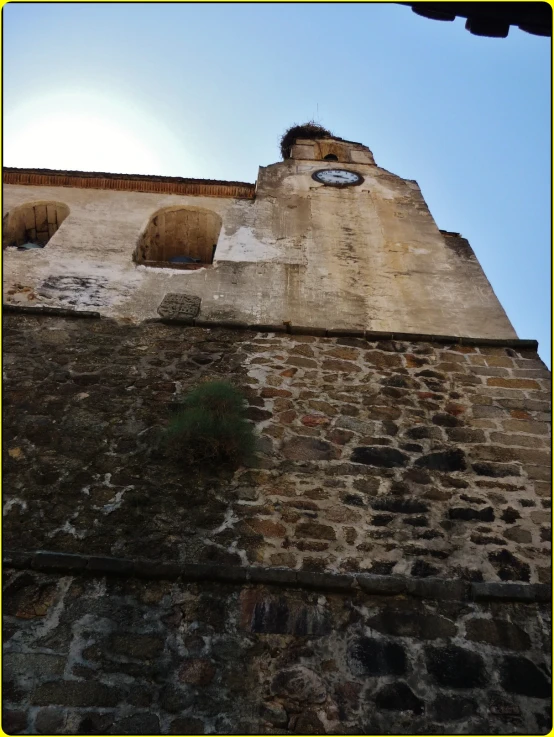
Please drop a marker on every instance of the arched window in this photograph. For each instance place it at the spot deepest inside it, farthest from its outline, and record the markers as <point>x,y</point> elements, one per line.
<point>179,238</point>
<point>33,224</point>
<point>331,157</point>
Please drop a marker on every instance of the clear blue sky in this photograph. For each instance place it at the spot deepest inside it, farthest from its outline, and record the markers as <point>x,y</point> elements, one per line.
<point>206,91</point>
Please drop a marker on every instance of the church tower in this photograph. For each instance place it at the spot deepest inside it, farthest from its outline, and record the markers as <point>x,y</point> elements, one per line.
<point>381,567</point>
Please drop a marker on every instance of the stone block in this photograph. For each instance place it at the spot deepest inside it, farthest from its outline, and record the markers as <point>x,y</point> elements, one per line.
<point>447,460</point>
<point>142,647</point>
<point>417,624</point>
<point>187,725</point>
<point>496,470</point>
<point>315,530</point>
<point>301,448</point>
<point>398,505</point>
<point>49,721</point>
<point>468,513</point>
<point>497,632</point>
<point>283,615</point>
<point>368,656</point>
<point>455,667</point>
<point>521,676</point>
<point>495,591</point>
<point>465,435</point>
<point>379,456</point>
<point>325,581</point>
<point>514,383</point>
<point>448,708</point>
<point>299,684</point>
<point>524,426</point>
<point>398,697</point>
<point>434,588</point>
<point>76,693</point>
<point>33,665</point>
<point>508,567</point>
<point>44,560</point>
<point>104,564</point>
<point>14,721</point>
<point>197,671</point>
<point>382,584</point>
<point>144,722</point>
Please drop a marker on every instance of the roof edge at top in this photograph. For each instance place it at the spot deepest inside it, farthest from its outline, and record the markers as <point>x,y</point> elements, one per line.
<point>129,182</point>
<point>113,175</point>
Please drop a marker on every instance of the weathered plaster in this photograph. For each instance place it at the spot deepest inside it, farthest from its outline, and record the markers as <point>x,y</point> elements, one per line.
<point>369,256</point>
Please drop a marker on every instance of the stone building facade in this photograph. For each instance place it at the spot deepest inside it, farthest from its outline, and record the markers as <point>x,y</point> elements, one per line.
<point>384,564</point>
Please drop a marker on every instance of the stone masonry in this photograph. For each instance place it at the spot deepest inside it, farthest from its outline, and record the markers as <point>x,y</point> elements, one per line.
<point>383,567</point>
<point>122,655</point>
<point>383,456</point>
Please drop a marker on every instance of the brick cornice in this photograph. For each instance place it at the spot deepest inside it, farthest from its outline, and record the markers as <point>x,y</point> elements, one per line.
<point>128,182</point>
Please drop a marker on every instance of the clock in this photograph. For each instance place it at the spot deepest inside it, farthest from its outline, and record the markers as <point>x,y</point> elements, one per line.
<point>337,177</point>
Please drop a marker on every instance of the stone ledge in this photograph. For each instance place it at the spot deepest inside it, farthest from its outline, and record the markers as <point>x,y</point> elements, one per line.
<point>56,311</point>
<point>508,591</point>
<point>421,588</point>
<point>369,335</point>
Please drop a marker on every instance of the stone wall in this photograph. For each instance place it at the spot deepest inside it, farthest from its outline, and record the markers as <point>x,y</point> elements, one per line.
<point>387,456</point>
<point>382,567</point>
<point>118,655</point>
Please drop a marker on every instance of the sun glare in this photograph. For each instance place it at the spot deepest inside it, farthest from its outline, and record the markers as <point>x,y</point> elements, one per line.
<point>84,133</point>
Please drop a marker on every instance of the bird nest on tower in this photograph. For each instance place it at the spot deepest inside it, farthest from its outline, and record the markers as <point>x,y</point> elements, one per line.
<point>310,130</point>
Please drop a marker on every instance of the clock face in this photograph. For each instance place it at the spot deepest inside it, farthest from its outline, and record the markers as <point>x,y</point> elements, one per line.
<point>337,177</point>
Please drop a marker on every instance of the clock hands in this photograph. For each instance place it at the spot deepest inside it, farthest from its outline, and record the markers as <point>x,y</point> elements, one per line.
<point>337,177</point>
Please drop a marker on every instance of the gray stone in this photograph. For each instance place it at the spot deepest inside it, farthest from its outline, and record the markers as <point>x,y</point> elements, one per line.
<point>379,456</point>
<point>299,684</point>
<point>521,676</point>
<point>509,567</point>
<point>453,708</point>
<point>14,721</point>
<point>455,667</point>
<point>421,625</point>
<point>368,656</point>
<point>307,722</point>
<point>187,725</point>
<point>398,697</point>
<point>360,426</point>
<point>402,506</point>
<point>274,713</point>
<point>468,513</point>
<point>49,721</point>
<point>75,693</point>
<point>33,665</point>
<point>139,723</point>
<point>496,470</point>
<point>137,646</point>
<point>498,632</point>
<point>177,305</point>
<point>447,460</point>
<point>303,448</point>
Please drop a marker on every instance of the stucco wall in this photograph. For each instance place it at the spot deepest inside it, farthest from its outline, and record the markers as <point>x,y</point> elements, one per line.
<point>369,256</point>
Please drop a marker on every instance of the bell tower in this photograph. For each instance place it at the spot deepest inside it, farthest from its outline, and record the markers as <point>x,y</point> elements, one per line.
<point>369,254</point>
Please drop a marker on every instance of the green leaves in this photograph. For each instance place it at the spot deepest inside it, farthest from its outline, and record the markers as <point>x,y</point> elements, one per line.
<point>211,427</point>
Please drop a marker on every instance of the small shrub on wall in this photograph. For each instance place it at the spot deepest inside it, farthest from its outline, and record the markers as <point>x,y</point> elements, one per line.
<point>210,428</point>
